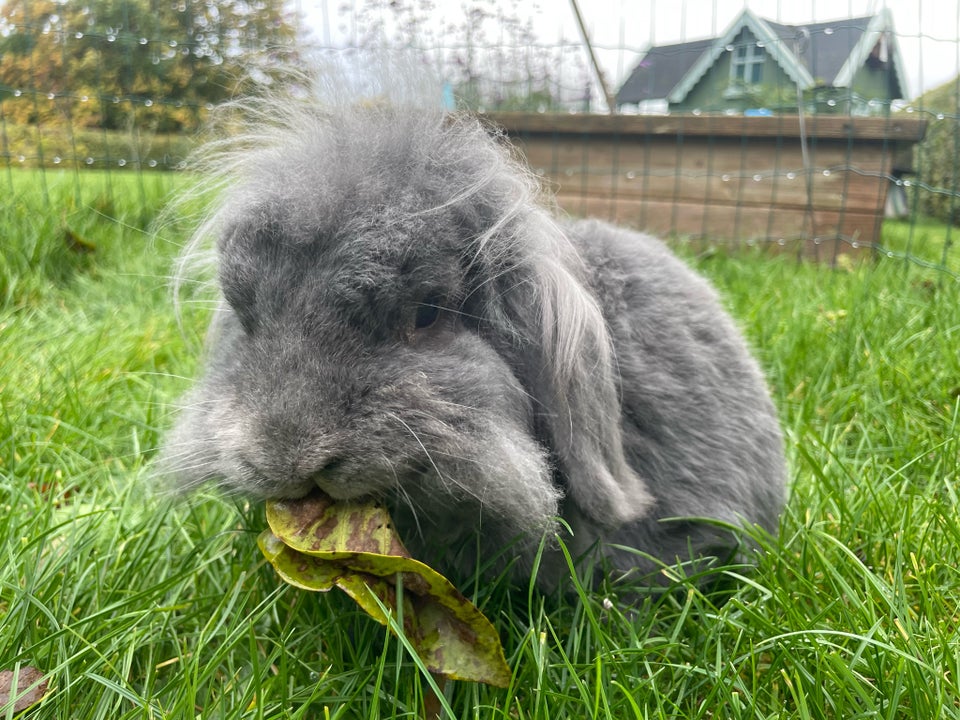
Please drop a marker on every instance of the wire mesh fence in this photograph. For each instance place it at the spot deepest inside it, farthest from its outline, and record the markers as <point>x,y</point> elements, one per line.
<point>813,127</point>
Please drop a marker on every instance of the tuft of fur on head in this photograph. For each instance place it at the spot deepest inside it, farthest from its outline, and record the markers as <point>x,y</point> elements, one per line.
<point>400,105</point>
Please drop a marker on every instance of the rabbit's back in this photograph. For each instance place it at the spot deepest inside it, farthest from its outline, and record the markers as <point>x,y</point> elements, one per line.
<point>698,424</point>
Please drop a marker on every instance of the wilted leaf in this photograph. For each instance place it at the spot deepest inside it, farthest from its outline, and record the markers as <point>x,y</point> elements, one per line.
<point>316,544</point>
<point>31,686</point>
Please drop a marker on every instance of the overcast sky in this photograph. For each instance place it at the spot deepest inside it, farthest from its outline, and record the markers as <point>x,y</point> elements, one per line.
<point>928,30</point>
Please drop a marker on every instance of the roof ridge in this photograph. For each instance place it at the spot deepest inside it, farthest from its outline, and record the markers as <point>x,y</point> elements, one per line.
<point>767,21</point>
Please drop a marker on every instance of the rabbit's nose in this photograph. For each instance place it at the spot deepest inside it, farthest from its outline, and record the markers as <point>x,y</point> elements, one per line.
<point>336,481</point>
<point>326,468</point>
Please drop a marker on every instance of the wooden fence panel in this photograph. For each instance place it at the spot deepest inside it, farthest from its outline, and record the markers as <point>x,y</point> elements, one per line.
<point>741,179</point>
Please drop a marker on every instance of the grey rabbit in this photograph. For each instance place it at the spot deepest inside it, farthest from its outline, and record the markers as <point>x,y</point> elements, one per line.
<point>403,317</point>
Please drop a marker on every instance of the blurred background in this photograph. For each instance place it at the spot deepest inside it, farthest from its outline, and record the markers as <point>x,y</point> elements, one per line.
<point>827,129</point>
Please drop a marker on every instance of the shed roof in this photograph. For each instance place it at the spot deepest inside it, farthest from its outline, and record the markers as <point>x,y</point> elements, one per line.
<point>661,69</point>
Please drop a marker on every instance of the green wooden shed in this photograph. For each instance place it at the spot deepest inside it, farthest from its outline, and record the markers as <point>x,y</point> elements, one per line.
<point>849,66</point>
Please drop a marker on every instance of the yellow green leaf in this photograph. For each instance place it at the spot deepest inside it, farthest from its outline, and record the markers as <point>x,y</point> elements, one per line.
<point>316,544</point>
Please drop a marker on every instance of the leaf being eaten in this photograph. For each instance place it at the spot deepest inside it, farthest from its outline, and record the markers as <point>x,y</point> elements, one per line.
<point>316,544</point>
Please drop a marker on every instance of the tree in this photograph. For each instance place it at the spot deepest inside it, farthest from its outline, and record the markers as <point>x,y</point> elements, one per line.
<point>109,63</point>
<point>937,158</point>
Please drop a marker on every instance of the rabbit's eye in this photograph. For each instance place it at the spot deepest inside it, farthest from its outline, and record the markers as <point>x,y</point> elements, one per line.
<point>427,312</point>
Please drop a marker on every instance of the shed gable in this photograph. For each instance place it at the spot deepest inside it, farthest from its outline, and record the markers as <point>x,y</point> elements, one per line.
<point>853,63</point>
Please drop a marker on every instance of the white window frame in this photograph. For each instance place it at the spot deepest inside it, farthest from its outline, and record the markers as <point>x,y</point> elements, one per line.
<point>754,56</point>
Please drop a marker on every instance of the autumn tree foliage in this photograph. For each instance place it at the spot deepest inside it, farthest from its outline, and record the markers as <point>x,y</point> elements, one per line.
<point>113,64</point>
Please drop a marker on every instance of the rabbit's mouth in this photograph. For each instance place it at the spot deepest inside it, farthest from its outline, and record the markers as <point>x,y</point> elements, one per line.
<point>343,480</point>
<point>339,491</point>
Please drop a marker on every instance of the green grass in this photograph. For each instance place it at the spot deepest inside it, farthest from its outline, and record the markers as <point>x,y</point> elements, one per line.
<point>140,608</point>
<point>924,242</point>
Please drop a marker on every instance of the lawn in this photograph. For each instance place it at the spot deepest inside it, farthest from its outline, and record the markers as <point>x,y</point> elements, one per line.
<point>137,606</point>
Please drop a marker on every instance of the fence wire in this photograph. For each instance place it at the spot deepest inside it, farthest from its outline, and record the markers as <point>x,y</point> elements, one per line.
<point>827,130</point>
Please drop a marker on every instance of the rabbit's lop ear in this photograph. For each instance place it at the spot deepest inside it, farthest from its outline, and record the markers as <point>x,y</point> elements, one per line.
<point>581,400</point>
<point>569,369</point>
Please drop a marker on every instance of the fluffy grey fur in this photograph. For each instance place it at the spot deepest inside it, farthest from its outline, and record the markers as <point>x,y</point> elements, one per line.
<point>401,318</point>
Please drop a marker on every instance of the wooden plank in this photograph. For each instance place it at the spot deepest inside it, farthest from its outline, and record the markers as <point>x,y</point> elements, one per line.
<point>726,222</point>
<point>840,189</point>
<point>543,155</point>
<point>694,153</point>
<point>896,128</point>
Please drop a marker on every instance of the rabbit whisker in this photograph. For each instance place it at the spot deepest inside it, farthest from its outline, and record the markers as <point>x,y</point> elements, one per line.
<point>446,479</point>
